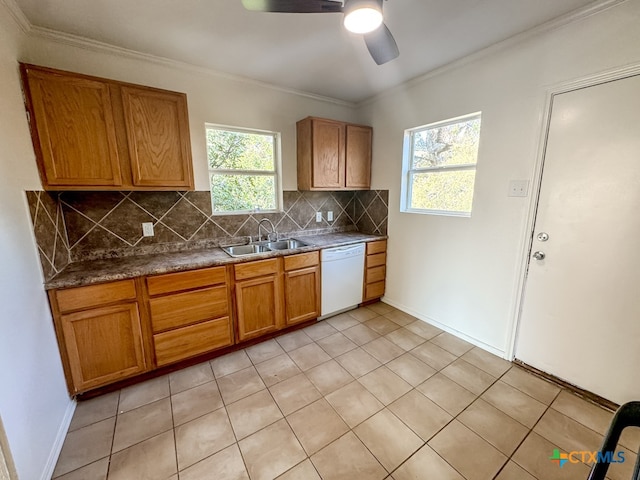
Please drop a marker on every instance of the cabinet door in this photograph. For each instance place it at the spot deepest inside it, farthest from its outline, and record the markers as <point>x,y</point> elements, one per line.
<point>358,156</point>
<point>104,345</point>
<point>328,154</point>
<point>302,295</point>
<point>259,306</point>
<point>73,130</point>
<point>157,127</point>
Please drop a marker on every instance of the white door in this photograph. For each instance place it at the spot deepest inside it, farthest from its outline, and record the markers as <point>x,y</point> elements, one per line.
<point>580,318</point>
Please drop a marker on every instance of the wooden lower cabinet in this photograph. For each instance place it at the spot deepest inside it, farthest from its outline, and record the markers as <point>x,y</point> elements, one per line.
<point>100,332</point>
<point>302,287</point>
<point>181,343</point>
<point>258,306</point>
<point>375,270</point>
<point>190,313</point>
<point>104,345</point>
<point>113,331</point>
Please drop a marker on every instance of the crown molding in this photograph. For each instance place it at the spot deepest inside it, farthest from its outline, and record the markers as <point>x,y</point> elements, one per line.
<point>93,45</point>
<point>18,16</point>
<point>102,47</point>
<point>559,22</point>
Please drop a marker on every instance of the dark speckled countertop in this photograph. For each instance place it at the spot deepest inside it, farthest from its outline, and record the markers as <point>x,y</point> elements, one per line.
<point>98,271</point>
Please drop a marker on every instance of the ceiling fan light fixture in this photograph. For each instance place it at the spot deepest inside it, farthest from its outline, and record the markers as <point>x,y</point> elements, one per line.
<point>362,16</point>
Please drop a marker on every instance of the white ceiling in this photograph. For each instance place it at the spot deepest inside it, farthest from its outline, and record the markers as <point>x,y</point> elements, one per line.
<point>306,52</point>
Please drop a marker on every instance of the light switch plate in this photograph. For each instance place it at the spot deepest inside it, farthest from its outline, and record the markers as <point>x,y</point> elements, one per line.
<point>318,217</point>
<point>330,216</point>
<point>518,188</point>
<point>147,229</point>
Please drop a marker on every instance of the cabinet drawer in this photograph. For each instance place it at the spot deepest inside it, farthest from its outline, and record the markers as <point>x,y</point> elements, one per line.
<point>302,260</point>
<point>175,282</point>
<point>256,269</point>
<point>373,290</point>
<point>376,247</point>
<point>182,309</point>
<point>376,260</point>
<point>191,341</point>
<point>95,295</point>
<point>376,274</point>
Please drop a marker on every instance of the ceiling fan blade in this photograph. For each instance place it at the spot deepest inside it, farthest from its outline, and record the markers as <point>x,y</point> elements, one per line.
<point>293,6</point>
<point>381,44</point>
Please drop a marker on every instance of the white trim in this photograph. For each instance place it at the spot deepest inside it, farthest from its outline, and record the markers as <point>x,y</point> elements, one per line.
<point>82,42</point>
<point>276,173</point>
<point>545,119</point>
<point>409,170</point>
<point>18,15</point>
<point>56,448</point>
<point>446,328</point>
<point>554,24</point>
<point>97,46</point>
<point>443,213</point>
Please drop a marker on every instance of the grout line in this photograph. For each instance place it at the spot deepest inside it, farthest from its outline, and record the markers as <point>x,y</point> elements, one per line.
<point>350,429</point>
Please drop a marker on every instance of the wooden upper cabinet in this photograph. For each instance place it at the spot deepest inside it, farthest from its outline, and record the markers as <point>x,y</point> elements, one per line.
<point>328,154</point>
<point>158,136</point>
<point>358,152</point>
<point>73,130</point>
<point>333,155</point>
<point>95,134</point>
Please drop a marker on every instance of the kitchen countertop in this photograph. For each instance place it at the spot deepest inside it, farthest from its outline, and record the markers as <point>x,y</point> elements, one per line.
<point>98,271</point>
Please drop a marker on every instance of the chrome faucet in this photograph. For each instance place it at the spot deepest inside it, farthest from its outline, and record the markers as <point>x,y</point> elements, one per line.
<point>272,232</point>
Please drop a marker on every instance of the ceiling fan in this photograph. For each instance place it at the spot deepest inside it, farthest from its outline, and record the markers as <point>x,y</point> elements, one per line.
<point>360,16</point>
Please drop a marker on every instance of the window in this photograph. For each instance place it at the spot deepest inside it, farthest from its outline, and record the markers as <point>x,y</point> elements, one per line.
<point>439,166</point>
<point>244,168</point>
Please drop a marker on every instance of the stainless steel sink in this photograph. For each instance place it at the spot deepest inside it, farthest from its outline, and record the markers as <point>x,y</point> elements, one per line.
<point>241,250</point>
<point>286,244</point>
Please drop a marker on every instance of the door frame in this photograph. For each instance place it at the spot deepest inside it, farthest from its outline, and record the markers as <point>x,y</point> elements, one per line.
<point>526,242</point>
<point>7,467</point>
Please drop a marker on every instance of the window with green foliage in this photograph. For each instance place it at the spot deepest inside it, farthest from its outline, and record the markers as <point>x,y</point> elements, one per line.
<point>243,169</point>
<point>439,166</point>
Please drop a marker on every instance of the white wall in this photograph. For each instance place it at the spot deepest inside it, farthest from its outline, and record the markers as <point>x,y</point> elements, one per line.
<point>463,273</point>
<point>34,404</point>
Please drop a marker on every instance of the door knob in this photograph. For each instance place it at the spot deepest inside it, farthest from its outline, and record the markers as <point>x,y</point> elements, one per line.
<point>539,255</point>
<point>543,236</point>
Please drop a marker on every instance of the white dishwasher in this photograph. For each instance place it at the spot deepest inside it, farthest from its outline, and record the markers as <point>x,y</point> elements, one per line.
<point>342,278</point>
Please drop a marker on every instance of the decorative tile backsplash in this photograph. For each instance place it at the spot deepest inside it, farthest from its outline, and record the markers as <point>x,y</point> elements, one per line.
<point>92,225</point>
<point>50,232</point>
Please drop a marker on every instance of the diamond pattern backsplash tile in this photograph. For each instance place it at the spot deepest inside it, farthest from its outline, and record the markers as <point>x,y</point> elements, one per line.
<point>75,226</point>
<point>50,232</point>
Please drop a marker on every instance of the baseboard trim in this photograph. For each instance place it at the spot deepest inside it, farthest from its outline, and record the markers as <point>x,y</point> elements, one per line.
<point>59,441</point>
<point>581,392</point>
<point>448,329</point>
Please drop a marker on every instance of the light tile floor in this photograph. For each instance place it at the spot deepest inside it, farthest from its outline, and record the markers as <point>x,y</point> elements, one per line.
<point>367,395</point>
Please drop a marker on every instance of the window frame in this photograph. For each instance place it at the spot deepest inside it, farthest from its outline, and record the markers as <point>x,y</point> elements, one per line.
<point>406,188</point>
<point>276,173</point>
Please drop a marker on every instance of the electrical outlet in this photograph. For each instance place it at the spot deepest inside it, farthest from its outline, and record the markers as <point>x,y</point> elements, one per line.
<point>330,216</point>
<point>318,217</point>
<point>518,188</point>
<point>147,229</point>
